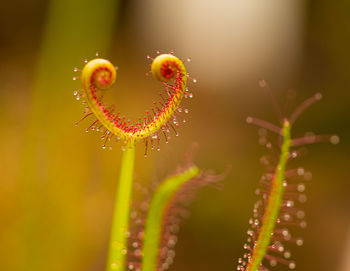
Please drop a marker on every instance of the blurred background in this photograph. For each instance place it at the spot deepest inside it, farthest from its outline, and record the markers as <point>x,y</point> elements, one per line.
<point>57,185</point>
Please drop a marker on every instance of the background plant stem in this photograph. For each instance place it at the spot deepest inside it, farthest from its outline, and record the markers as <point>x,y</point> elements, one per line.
<point>120,226</point>
<point>155,217</point>
<point>52,227</point>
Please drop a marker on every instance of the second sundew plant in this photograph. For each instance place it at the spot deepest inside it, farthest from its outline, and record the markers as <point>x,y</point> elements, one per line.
<point>149,247</point>
<point>281,193</point>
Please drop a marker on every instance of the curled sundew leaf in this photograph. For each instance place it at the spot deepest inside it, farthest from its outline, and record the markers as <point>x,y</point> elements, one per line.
<point>165,116</point>
<point>281,192</point>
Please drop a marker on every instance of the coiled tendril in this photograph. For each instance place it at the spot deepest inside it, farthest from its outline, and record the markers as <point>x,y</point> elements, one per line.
<point>99,74</point>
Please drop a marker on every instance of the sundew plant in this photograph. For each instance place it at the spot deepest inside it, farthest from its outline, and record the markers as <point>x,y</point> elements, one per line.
<point>160,122</point>
<point>148,245</point>
<point>281,191</point>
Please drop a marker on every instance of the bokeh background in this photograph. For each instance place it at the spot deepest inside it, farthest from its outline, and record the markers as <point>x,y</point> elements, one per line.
<point>57,185</point>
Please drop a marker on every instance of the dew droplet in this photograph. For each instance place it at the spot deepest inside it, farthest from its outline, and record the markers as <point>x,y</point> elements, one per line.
<point>286,217</point>
<point>135,244</point>
<point>194,80</point>
<point>256,222</point>
<point>287,254</point>
<point>334,139</point>
<point>299,242</point>
<point>292,265</point>
<point>300,214</point>
<point>290,203</point>
<point>303,224</point>
<point>301,187</point>
<point>318,96</point>
<point>273,262</point>
<point>300,171</point>
<point>138,252</point>
<point>302,198</point>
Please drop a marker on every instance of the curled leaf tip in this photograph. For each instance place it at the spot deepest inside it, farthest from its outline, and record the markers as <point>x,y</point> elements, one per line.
<point>164,67</point>
<point>159,123</point>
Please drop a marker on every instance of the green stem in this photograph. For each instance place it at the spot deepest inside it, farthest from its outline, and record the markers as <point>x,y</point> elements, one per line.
<point>273,204</point>
<point>72,30</point>
<point>158,207</point>
<point>120,225</point>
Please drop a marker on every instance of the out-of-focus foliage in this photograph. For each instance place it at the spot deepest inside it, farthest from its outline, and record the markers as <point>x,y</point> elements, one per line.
<point>57,185</point>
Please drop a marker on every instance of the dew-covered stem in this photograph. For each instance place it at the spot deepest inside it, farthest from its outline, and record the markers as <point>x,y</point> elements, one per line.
<point>274,203</point>
<point>120,225</point>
